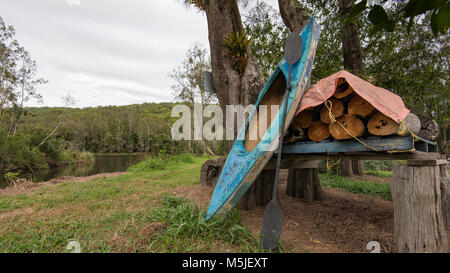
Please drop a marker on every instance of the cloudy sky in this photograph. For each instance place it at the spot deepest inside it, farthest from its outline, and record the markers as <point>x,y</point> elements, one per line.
<point>105,52</point>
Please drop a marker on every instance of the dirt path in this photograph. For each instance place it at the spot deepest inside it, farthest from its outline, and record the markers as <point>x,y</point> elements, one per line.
<point>344,222</point>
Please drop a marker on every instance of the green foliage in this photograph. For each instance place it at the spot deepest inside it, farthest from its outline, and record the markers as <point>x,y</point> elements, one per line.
<point>11,176</point>
<point>386,174</point>
<point>379,165</point>
<point>161,162</point>
<point>268,35</point>
<point>186,223</point>
<point>17,153</point>
<point>439,10</point>
<point>188,77</point>
<point>358,187</point>
<point>238,44</point>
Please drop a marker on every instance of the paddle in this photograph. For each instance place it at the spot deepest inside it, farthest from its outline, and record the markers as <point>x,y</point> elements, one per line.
<point>271,228</point>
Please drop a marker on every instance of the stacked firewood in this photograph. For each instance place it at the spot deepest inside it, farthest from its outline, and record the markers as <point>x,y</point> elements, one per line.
<point>352,116</point>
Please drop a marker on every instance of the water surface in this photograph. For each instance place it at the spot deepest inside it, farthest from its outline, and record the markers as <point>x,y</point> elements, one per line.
<point>104,163</point>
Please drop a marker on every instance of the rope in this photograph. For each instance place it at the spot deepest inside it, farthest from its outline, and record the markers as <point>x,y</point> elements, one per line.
<point>333,120</point>
<point>329,167</point>
<point>403,130</point>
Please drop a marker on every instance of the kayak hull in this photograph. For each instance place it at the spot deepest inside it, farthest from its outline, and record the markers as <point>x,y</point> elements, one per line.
<point>242,167</point>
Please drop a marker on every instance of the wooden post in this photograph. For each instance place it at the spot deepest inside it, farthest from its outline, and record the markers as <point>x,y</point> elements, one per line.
<point>303,182</point>
<point>418,221</point>
<point>260,192</point>
<point>445,194</point>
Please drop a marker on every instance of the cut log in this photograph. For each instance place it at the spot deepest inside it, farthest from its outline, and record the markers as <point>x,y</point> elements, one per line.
<point>361,107</point>
<point>429,128</point>
<point>210,171</point>
<point>418,221</point>
<point>295,133</point>
<point>304,119</point>
<point>318,131</point>
<point>381,125</point>
<point>343,90</point>
<point>305,184</point>
<point>337,109</point>
<point>412,123</point>
<point>351,123</point>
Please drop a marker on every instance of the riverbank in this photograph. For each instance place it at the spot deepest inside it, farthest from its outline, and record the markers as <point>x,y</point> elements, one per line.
<point>101,163</point>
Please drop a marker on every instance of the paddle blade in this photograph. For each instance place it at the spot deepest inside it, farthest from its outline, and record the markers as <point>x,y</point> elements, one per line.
<point>294,47</point>
<point>271,228</point>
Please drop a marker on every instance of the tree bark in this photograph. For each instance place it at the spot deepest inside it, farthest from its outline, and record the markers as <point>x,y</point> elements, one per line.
<point>445,195</point>
<point>418,221</point>
<point>293,14</point>
<point>304,184</point>
<point>232,87</point>
<point>351,44</point>
<point>351,47</point>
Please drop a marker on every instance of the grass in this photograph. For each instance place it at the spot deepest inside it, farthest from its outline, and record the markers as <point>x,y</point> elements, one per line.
<point>379,173</point>
<point>134,212</point>
<point>359,187</point>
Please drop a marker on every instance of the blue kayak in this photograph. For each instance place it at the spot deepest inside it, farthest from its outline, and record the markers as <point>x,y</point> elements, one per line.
<point>249,155</point>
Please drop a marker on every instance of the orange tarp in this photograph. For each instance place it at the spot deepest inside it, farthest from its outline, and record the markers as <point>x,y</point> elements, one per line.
<point>383,100</point>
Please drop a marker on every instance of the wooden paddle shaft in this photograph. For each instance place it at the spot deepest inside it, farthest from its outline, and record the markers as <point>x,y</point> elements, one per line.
<point>280,144</point>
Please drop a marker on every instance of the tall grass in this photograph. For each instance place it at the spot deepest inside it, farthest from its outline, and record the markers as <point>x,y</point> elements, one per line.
<point>187,228</point>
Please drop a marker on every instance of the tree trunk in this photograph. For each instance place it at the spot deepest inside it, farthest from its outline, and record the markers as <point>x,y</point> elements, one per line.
<point>351,44</point>
<point>232,87</point>
<point>351,47</point>
<point>305,184</point>
<point>418,221</point>
<point>293,14</point>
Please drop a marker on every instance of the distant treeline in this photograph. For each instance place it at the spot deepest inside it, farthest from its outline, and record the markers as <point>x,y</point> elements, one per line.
<point>112,129</point>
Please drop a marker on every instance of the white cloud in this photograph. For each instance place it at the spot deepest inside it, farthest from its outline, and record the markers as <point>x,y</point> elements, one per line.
<point>105,52</point>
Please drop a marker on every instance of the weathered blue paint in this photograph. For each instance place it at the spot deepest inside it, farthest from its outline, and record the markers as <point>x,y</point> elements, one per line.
<point>381,144</point>
<point>242,167</point>
<point>394,143</point>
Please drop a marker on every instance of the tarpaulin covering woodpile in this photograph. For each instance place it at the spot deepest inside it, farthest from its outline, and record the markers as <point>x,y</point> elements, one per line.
<point>383,100</point>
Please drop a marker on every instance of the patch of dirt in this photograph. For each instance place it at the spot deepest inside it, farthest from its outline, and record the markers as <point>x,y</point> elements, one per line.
<point>23,186</point>
<point>343,223</point>
<point>16,212</point>
<point>119,245</point>
<point>372,178</point>
<point>152,228</point>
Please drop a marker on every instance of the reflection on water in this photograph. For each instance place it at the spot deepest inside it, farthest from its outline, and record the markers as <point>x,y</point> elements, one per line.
<point>104,163</point>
